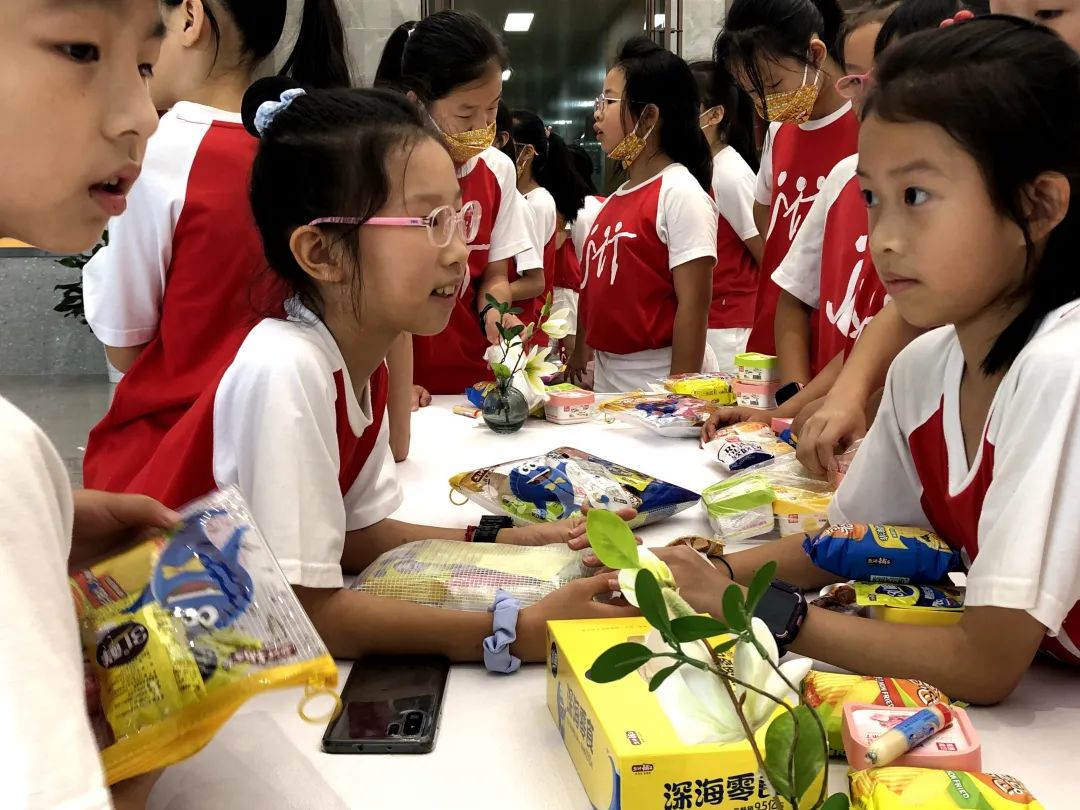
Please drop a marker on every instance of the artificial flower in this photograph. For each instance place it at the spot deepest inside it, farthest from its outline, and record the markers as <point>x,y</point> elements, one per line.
<point>557,326</point>
<point>537,367</point>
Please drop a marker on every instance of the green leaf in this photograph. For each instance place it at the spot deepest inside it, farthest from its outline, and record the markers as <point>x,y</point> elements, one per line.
<point>517,330</point>
<point>618,662</point>
<point>696,628</point>
<point>503,332</point>
<point>808,753</point>
<point>492,300</point>
<point>760,585</point>
<point>514,311</point>
<point>662,676</point>
<point>720,649</point>
<point>612,540</point>
<point>838,801</point>
<point>735,609</point>
<point>651,602</point>
<point>501,371</point>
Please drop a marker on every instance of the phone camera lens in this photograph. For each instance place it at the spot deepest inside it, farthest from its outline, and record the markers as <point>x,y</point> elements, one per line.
<point>394,730</point>
<point>413,722</point>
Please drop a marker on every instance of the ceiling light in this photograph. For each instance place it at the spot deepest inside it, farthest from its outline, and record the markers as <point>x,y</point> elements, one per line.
<point>507,74</point>
<point>659,20</point>
<point>518,22</point>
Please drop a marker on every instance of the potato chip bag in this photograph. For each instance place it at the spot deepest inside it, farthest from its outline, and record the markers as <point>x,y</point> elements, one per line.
<point>826,693</point>
<point>927,789</point>
<point>869,553</point>
<point>180,630</point>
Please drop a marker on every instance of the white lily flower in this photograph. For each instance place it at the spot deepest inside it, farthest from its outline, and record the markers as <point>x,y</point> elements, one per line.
<point>537,367</point>
<point>650,562</point>
<point>557,325</point>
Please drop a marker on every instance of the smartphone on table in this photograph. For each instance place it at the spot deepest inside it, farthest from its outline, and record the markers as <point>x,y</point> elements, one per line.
<point>389,706</point>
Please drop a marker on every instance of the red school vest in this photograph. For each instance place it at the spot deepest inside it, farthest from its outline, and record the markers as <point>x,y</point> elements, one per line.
<point>956,518</point>
<point>453,360</point>
<point>851,293</point>
<point>628,292</point>
<point>182,469</point>
<point>217,287</point>
<point>801,160</point>
<point>735,281</point>
<point>567,267</point>
<point>531,309</point>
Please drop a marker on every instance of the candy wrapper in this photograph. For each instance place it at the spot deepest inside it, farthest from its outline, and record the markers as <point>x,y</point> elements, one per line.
<point>713,387</point>
<point>840,464</point>
<point>745,446</point>
<point>883,554</point>
<point>890,602</point>
<point>826,693</point>
<point>927,789</point>
<point>669,415</point>
<point>179,631</point>
<point>466,576</point>
<point>554,486</point>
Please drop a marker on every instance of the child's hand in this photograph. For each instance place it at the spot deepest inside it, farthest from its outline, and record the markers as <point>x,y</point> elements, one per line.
<point>105,520</point>
<point>491,325</point>
<point>577,600</point>
<point>832,430</point>
<point>577,366</point>
<point>421,398</point>
<point>699,582</point>
<point>732,415</point>
<point>546,534</point>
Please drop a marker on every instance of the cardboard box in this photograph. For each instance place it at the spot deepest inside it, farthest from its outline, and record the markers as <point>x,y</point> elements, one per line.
<point>623,746</point>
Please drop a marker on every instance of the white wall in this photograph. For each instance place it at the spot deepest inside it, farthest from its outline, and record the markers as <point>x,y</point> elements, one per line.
<point>702,20</point>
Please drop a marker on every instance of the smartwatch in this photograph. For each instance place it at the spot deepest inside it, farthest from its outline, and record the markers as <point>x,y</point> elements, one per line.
<point>783,609</point>
<point>786,392</point>
<point>489,528</point>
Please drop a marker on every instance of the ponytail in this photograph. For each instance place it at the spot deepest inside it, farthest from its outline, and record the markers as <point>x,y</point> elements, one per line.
<point>320,56</point>
<point>718,89</point>
<point>552,166</point>
<point>388,73</point>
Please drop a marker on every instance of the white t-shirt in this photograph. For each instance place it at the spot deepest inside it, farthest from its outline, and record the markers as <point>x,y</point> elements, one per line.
<point>1014,512</point>
<point>763,191</point>
<point>491,180</point>
<point>543,219</point>
<point>733,190</point>
<point>49,756</point>
<point>579,231</point>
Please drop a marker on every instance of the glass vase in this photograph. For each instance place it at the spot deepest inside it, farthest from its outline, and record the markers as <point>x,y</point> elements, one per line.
<point>505,409</point>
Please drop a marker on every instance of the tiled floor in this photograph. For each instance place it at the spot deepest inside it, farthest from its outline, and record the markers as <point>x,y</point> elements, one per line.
<point>66,408</point>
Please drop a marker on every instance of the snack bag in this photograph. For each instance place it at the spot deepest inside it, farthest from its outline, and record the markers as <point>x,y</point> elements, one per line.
<point>179,631</point>
<point>800,511</point>
<point>669,415</point>
<point>927,789</point>
<point>465,576</point>
<point>714,387</point>
<point>740,508</point>
<point>826,693</point>
<point>554,486</point>
<point>890,602</point>
<point>883,554</point>
<point>746,445</point>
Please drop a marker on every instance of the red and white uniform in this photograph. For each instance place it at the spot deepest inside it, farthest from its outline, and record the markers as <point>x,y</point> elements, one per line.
<point>542,223</point>
<point>453,360</point>
<point>567,281</point>
<point>829,267</point>
<point>1013,512</point>
<point>284,424</point>
<point>579,231</point>
<point>185,274</point>
<point>794,165</point>
<point>640,235</point>
<point>735,280</point>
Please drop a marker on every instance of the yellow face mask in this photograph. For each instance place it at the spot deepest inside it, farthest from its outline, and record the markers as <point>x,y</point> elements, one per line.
<point>792,106</point>
<point>630,148</point>
<point>464,146</point>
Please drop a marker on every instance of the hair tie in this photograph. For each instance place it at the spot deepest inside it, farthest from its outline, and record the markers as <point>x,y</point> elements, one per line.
<point>960,16</point>
<point>269,110</point>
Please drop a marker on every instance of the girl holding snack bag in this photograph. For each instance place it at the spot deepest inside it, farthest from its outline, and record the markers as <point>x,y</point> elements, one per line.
<point>450,64</point>
<point>297,419</point>
<point>649,256</point>
<point>183,277</point>
<point>974,223</point>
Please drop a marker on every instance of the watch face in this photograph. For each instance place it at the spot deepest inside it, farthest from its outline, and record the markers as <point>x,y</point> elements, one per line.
<point>778,609</point>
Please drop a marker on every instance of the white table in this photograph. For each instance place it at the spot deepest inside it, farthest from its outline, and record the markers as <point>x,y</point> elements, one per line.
<point>498,747</point>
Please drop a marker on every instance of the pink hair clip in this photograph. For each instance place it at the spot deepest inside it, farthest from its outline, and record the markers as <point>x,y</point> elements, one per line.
<point>960,16</point>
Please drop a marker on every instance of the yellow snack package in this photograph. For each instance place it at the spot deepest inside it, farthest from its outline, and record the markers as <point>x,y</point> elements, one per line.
<point>179,631</point>
<point>711,386</point>
<point>926,789</point>
<point>827,693</point>
<point>799,511</point>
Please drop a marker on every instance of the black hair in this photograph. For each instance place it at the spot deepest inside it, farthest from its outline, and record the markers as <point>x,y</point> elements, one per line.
<point>583,165</point>
<point>439,53</point>
<point>718,88</point>
<point>872,11</point>
<point>504,122</point>
<point>772,30</point>
<point>552,165</point>
<point>657,76</point>
<point>913,16</point>
<point>319,58</point>
<point>324,155</point>
<point>1006,90</point>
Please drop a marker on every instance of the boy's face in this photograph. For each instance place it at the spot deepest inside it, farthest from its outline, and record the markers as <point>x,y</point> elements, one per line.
<point>77,114</point>
<point>1061,15</point>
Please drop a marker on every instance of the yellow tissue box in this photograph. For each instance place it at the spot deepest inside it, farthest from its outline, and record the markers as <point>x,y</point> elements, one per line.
<point>623,746</point>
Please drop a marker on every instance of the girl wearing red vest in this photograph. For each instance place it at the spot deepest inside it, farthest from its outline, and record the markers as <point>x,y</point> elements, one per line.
<point>974,223</point>
<point>451,64</point>
<point>183,277</point>
<point>649,256</point>
<point>782,54</point>
<point>728,123</point>
<point>297,419</point>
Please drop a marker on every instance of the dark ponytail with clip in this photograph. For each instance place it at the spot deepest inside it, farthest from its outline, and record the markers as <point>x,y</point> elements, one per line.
<point>552,166</point>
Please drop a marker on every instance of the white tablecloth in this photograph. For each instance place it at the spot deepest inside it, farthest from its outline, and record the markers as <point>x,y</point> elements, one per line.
<point>497,747</point>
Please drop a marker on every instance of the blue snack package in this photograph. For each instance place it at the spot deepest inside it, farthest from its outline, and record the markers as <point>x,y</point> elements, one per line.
<point>871,553</point>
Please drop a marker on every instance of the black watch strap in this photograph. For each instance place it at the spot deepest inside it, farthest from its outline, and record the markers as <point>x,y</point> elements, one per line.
<point>489,528</point>
<point>783,609</point>
<point>483,316</point>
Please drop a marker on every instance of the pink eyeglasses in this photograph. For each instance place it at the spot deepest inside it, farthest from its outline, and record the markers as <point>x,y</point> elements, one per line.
<point>854,86</point>
<point>440,223</point>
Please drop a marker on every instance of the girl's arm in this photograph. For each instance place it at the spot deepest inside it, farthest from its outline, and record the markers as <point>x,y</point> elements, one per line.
<point>756,246</point>
<point>493,282</point>
<point>528,286</point>
<point>400,396</point>
<point>793,338</point>
<point>761,219</point>
<point>693,289</point>
<point>124,357</point>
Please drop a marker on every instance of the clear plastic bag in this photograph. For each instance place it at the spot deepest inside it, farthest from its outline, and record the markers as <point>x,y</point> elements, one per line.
<point>670,415</point>
<point>466,576</point>
<point>180,630</point>
<point>551,487</point>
